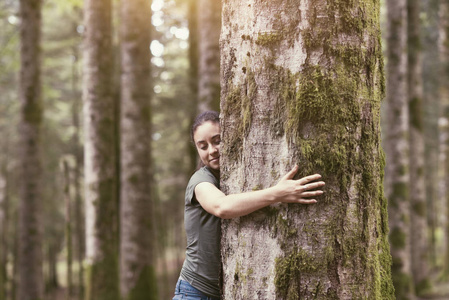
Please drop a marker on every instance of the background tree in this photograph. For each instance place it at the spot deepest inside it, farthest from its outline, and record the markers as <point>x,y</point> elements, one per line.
<point>298,88</point>
<point>431,100</point>
<point>68,227</point>
<point>209,24</point>
<point>137,274</point>
<point>100,155</point>
<point>30,252</point>
<point>4,223</point>
<point>397,149</point>
<point>444,92</point>
<point>418,212</point>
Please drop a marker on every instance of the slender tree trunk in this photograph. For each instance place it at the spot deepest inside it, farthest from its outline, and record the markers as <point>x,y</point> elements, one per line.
<point>431,100</point>
<point>444,92</point>
<point>193,80</point>
<point>15,262</point>
<point>52,276</point>
<point>4,207</point>
<point>79,228</point>
<point>137,247</point>
<point>209,24</point>
<point>30,252</point>
<point>68,229</point>
<point>418,214</point>
<point>397,149</point>
<point>298,88</point>
<point>100,155</point>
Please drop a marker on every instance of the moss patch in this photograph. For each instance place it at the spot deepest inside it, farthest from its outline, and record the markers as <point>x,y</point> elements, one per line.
<point>237,107</point>
<point>146,287</point>
<point>102,281</point>
<point>289,270</point>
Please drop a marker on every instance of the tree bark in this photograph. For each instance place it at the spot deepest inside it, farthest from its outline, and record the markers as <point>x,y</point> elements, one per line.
<point>209,24</point>
<point>100,155</point>
<point>397,186</point>
<point>30,286</point>
<point>302,84</point>
<point>418,214</point>
<point>137,247</point>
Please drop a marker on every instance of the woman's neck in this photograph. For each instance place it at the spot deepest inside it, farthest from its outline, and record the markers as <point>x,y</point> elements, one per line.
<point>216,173</point>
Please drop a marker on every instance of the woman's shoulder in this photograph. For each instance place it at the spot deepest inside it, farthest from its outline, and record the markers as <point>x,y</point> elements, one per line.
<point>203,175</point>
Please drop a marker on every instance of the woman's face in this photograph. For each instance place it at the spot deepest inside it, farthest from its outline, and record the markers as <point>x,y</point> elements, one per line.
<point>207,141</point>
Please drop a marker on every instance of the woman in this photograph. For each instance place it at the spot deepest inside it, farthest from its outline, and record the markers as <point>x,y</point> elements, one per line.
<point>205,205</point>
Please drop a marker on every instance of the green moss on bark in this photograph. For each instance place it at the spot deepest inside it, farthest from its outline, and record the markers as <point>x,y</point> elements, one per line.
<point>146,286</point>
<point>237,107</point>
<point>102,281</point>
<point>397,238</point>
<point>415,109</point>
<point>289,270</point>
<point>402,283</point>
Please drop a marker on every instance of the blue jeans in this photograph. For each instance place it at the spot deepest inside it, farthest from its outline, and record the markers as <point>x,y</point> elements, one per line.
<point>187,292</point>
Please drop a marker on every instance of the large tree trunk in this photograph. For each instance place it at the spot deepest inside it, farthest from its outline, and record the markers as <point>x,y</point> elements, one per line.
<point>209,24</point>
<point>30,252</point>
<point>418,214</point>
<point>397,149</point>
<point>100,155</point>
<point>137,247</point>
<point>302,83</point>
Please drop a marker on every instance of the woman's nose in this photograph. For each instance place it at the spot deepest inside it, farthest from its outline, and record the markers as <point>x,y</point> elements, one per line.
<point>213,149</point>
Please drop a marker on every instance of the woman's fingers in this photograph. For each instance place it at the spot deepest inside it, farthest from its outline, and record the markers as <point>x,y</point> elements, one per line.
<point>311,194</point>
<point>291,173</point>
<point>308,201</point>
<point>309,178</point>
<point>311,186</point>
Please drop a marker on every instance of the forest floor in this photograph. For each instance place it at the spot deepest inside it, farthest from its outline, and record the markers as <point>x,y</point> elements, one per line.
<point>439,292</point>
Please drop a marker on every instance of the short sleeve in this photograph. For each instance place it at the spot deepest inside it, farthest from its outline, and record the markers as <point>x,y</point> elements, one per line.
<point>202,175</point>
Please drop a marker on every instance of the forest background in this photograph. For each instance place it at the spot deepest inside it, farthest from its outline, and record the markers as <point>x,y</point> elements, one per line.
<point>185,61</point>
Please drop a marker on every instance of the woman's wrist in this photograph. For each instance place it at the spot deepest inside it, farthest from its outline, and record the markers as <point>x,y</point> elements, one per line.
<point>274,195</point>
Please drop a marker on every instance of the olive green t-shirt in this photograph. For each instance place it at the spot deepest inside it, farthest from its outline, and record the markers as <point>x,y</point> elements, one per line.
<point>202,264</point>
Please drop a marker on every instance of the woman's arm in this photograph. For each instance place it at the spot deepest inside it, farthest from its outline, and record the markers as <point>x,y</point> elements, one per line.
<point>287,190</point>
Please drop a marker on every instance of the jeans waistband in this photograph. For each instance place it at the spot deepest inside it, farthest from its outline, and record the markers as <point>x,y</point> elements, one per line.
<point>184,287</point>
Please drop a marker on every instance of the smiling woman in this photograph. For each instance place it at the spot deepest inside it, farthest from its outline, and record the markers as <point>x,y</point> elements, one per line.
<point>206,205</point>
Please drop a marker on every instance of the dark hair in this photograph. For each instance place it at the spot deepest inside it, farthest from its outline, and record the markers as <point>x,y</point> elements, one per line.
<point>202,118</point>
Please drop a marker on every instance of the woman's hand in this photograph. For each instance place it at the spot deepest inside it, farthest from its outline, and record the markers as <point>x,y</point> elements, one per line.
<point>300,190</point>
